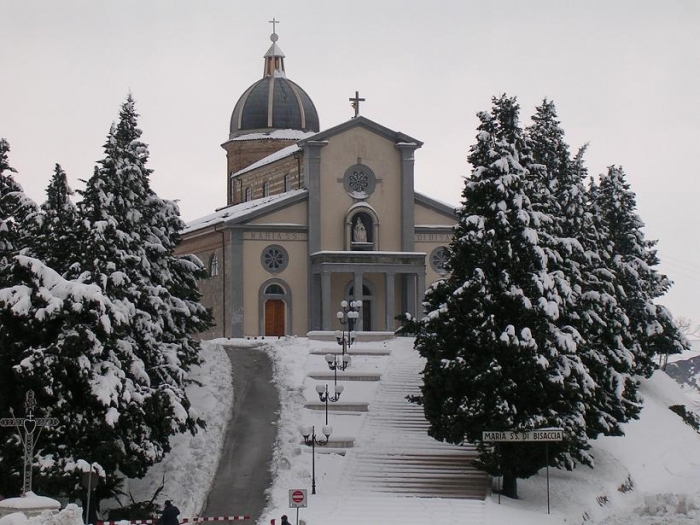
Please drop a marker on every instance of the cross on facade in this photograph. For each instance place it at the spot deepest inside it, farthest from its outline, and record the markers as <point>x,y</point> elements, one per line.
<point>29,424</point>
<point>274,22</point>
<point>356,103</point>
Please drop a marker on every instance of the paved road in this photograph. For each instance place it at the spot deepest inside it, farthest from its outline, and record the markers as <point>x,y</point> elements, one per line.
<point>243,474</point>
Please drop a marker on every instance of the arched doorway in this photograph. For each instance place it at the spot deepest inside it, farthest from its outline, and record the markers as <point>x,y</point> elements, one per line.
<point>275,315</point>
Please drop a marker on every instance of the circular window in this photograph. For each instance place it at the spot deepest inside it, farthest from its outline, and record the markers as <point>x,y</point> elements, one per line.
<point>274,258</point>
<point>438,258</point>
<point>359,181</point>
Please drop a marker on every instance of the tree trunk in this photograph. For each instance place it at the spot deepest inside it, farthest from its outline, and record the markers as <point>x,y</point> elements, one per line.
<point>510,485</point>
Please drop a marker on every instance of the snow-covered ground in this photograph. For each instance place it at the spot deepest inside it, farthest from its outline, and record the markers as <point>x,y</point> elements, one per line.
<point>650,476</point>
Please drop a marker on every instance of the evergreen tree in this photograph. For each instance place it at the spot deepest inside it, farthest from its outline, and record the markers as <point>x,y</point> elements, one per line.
<point>15,208</point>
<point>126,249</point>
<point>607,347</point>
<point>57,225</point>
<point>57,339</point>
<point>107,347</point>
<point>639,283</point>
<point>497,357</point>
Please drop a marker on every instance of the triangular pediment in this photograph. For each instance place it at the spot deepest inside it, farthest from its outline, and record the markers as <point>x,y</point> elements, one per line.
<point>363,122</point>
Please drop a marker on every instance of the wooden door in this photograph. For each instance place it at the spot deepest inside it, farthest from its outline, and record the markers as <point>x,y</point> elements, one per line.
<point>274,317</point>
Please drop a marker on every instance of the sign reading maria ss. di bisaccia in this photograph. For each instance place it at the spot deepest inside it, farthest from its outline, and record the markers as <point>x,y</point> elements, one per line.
<point>543,434</point>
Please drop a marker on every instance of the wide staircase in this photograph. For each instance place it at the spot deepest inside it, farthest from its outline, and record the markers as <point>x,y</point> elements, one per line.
<point>392,454</point>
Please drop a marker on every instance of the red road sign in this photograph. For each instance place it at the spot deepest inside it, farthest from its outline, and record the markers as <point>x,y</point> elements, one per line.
<point>297,498</point>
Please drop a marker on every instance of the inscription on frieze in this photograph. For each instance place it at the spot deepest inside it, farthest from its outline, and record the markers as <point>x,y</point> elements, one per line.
<point>275,236</point>
<point>433,237</point>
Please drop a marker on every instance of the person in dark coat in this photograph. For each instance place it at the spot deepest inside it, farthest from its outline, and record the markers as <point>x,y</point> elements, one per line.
<point>170,514</point>
<point>284,520</point>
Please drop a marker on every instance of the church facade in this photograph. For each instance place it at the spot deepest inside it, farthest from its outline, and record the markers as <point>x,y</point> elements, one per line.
<point>315,217</point>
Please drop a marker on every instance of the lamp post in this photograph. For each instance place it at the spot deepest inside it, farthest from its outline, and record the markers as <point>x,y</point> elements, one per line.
<point>325,396</point>
<point>311,440</point>
<point>347,315</point>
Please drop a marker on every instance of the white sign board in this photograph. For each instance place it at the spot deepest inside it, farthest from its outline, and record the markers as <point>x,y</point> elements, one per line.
<point>542,435</point>
<point>297,498</point>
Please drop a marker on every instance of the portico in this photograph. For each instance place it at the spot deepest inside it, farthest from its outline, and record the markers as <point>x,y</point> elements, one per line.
<point>399,274</point>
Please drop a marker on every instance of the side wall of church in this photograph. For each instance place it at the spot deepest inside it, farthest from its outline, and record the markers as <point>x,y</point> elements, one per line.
<point>285,228</point>
<point>212,288</point>
<point>382,157</point>
<point>293,279</point>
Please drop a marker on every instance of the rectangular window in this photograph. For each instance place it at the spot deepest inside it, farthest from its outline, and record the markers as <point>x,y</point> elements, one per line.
<point>266,189</point>
<point>287,183</point>
<point>248,194</point>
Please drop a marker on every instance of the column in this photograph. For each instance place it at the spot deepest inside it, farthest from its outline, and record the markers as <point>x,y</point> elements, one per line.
<point>312,181</point>
<point>408,224</point>
<point>389,279</point>
<point>313,304</point>
<point>410,293</point>
<point>357,286</point>
<point>420,293</point>
<point>237,280</point>
<point>326,301</point>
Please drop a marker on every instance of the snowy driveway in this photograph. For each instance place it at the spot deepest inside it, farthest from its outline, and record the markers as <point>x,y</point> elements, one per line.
<point>243,474</point>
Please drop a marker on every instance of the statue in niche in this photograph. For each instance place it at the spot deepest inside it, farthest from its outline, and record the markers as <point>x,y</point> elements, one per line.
<point>359,231</point>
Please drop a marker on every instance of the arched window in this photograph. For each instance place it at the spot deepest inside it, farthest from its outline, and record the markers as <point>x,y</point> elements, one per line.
<point>248,194</point>
<point>213,265</point>
<point>274,289</point>
<point>266,189</point>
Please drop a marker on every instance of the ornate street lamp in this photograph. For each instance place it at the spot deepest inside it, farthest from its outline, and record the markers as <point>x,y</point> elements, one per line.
<point>325,396</point>
<point>311,440</point>
<point>347,315</point>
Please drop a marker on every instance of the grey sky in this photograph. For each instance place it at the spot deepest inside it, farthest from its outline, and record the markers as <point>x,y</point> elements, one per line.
<point>625,76</point>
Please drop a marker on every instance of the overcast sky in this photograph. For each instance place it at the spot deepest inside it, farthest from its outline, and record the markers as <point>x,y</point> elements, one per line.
<point>624,75</point>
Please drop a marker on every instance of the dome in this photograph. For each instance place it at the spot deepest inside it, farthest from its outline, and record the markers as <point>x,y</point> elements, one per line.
<point>274,102</point>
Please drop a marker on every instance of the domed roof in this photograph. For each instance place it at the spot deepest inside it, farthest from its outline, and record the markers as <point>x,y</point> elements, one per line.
<point>274,102</point>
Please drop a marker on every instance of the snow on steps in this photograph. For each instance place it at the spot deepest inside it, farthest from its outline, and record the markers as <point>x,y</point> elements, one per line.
<point>325,375</point>
<point>378,509</point>
<point>393,455</point>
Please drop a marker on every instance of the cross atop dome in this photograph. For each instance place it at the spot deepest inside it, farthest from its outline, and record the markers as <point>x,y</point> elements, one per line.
<point>274,58</point>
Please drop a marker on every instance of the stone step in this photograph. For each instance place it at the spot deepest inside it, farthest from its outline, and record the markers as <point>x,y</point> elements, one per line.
<point>345,376</point>
<point>338,406</point>
<point>329,335</point>
<point>352,351</point>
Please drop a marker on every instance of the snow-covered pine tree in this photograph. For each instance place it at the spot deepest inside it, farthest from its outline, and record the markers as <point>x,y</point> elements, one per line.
<point>634,260</point>
<point>8,232</point>
<point>173,279</point>
<point>40,312</point>
<point>496,357</point>
<point>57,339</point>
<point>606,347</point>
<point>15,207</point>
<point>56,229</point>
<point>126,248</point>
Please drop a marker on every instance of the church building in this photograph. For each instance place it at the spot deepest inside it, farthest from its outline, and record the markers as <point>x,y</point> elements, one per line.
<point>315,217</point>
